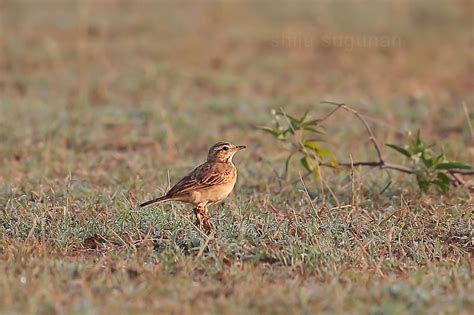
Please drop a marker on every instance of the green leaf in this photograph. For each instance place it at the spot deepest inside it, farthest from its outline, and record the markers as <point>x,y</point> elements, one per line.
<point>438,159</point>
<point>321,152</point>
<point>308,164</point>
<point>418,146</point>
<point>422,182</point>
<point>326,153</point>
<point>418,141</point>
<point>288,130</point>
<point>443,178</point>
<point>314,130</point>
<point>401,150</point>
<point>295,122</point>
<point>443,182</point>
<point>302,119</point>
<point>311,144</point>
<point>313,122</point>
<point>428,162</point>
<point>274,132</point>
<point>453,165</point>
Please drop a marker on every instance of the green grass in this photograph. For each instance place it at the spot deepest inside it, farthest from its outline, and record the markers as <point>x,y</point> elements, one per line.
<point>104,103</point>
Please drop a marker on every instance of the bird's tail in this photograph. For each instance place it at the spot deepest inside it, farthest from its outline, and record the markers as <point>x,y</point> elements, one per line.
<point>159,199</point>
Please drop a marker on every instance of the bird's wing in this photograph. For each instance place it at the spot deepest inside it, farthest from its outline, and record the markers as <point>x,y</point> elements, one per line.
<point>205,175</point>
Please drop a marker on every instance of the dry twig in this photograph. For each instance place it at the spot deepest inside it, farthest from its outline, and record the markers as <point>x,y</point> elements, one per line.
<point>455,173</point>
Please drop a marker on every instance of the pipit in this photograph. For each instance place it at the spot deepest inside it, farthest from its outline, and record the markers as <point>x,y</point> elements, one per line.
<point>207,184</point>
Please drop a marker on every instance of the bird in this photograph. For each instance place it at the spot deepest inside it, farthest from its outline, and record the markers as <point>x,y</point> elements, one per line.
<point>206,185</point>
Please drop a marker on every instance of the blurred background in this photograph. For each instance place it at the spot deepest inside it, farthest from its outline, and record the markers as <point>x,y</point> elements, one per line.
<point>104,103</point>
<point>86,84</point>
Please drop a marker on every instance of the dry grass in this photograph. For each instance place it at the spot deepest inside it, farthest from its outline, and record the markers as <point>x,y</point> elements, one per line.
<point>100,99</point>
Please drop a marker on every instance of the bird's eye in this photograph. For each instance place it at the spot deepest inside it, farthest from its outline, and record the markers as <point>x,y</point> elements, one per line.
<point>225,148</point>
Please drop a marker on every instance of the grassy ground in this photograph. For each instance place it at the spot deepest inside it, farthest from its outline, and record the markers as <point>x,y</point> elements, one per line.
<point>104,102</point>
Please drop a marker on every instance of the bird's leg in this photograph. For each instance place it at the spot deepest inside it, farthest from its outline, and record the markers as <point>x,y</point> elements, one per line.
<point>202,219</point>
<point>198,213</point>
<point>206,222</point>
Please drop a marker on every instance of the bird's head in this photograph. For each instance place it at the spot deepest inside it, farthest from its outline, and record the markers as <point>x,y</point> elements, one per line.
<point>223,151</point>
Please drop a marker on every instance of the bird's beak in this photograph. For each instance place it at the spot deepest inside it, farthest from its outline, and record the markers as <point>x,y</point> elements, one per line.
<point>240,147</point>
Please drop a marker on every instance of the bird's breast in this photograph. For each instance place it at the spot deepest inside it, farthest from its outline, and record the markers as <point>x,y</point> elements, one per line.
<point>215,193</point>
<point>223,191</point>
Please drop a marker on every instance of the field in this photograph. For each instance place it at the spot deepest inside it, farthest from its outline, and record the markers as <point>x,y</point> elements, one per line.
<point>104,104</point>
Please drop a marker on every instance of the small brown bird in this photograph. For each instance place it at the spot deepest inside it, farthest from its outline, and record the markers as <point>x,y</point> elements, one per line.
<point>207,184</point>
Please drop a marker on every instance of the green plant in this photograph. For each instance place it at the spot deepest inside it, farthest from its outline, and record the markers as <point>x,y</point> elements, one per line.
<point>303,138</point>
<point>429,168</point>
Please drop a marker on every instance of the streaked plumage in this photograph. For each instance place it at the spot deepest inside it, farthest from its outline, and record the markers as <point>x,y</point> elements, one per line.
<point>207,184</point>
